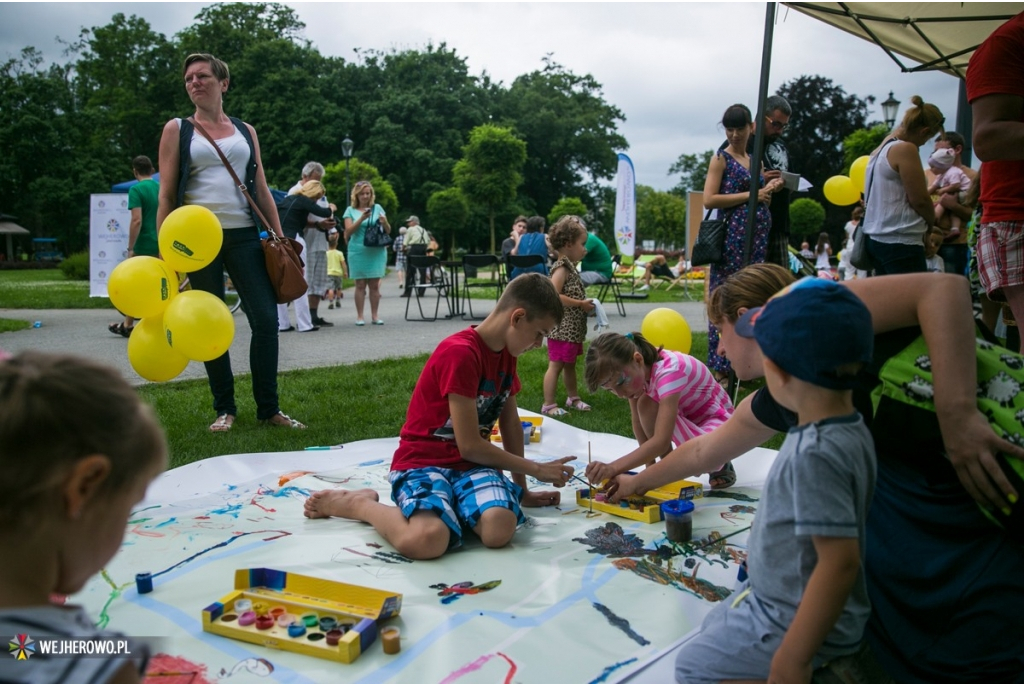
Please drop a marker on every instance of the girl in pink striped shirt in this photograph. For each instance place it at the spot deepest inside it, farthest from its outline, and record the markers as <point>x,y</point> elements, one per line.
<point>672,397</point>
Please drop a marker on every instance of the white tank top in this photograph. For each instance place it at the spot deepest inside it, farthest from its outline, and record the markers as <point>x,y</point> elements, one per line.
<point>888,216</point>
<point>211,186</point>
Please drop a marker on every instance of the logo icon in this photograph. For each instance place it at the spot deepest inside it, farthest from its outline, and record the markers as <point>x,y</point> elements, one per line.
<point>22,647</point>
<point>181,247</point>
<point>113,226</point>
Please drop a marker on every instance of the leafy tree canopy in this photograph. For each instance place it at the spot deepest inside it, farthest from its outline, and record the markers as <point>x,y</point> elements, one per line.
<point>806,219</point>
<point>334,183</point>
<point>490,170</point>
<point>660,217</point>
<point>567,205</point>
<point>693,169</point>
<point>448,211</point>
<point>862,142</point>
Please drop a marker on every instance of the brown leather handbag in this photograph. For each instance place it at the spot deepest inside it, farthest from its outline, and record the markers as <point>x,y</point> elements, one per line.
<point>284,265</point>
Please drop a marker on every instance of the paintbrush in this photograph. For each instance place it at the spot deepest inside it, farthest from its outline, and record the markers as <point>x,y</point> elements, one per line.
<point>589,484</point>
<point>709,543</point>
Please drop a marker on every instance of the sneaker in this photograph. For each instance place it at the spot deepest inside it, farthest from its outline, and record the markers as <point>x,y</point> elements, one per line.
<point>330,306</point>
<point>310,330</point>
<point>317,321</point>
<point>643,288</point>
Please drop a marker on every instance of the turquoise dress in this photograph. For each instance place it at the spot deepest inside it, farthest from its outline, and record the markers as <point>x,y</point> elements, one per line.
<point>365,262</point>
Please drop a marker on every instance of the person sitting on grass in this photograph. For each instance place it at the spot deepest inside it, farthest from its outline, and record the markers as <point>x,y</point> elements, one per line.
<point>446,475</point>
<point>78,449</point>
<point>805,600</point>
<point>658,266</point>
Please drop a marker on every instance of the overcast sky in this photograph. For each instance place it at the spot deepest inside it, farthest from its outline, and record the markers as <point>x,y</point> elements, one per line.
<point>672,68</point>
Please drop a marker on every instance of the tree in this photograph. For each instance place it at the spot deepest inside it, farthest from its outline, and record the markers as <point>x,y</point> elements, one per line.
<point>806,219</point>
<point>862,142</point>
<point>229,30</point>
<point>334,183</point>
<point>490,170</point>
<point>693,169</point>
<point>567,205</point>
<point>660,217</point>
<point>571,132</point>
<point>448,211</point>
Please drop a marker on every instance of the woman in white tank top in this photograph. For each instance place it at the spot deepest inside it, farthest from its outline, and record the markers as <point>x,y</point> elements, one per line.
<point>898,209</point>
<point>210,185</point>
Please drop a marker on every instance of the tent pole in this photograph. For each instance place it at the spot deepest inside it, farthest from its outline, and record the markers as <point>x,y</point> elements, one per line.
<point>755,160</point>
<point>964,123</point>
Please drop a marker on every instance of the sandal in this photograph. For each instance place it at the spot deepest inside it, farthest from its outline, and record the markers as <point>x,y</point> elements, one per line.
<point>360,322</point>
<point>552,410</point>
<point>120,329</point>
<point>282,420</point>
<point>222,424</point>
<point>724,477</point>
<point>577,404</point>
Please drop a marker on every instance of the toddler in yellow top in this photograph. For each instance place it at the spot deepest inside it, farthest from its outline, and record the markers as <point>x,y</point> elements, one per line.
<point>336,270</point>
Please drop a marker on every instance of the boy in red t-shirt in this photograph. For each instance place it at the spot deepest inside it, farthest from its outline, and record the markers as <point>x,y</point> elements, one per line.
<point>446,475</point>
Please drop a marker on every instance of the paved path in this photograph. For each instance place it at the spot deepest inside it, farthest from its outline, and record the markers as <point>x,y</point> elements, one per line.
<point>84,332</point>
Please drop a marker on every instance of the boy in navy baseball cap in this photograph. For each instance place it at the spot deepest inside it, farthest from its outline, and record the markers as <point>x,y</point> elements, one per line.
<point>805,600</point>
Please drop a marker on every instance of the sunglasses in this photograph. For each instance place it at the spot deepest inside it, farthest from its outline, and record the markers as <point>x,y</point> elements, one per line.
<point>778,125</point>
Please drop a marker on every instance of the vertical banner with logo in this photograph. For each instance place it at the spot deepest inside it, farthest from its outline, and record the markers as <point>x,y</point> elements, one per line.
<point>625,207</point>
<point>109,220</point>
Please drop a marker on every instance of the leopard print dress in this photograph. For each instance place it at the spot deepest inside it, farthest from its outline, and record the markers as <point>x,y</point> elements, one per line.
<point>574,322</point>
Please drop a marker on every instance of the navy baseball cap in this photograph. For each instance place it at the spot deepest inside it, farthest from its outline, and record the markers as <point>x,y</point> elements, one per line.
<point>810,329</point>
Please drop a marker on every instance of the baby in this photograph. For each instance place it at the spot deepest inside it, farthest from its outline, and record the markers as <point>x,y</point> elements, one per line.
<point>949,179</point>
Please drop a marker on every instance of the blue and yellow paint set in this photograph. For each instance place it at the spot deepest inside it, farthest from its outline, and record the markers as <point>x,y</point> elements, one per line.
<point>644,508</point>
<point>296,613</point>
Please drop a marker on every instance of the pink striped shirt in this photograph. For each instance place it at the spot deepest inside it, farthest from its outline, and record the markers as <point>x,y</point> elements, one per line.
<point>703,403</point>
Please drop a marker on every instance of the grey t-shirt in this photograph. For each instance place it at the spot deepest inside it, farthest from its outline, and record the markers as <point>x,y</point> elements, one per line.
<point>820,484</point>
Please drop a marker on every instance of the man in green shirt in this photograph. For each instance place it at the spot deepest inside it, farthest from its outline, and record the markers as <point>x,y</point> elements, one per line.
<point>142,201</point>
<point>596,266</point>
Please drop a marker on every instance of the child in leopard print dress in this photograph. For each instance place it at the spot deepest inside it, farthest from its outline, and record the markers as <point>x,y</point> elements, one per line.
<point>568,239</point>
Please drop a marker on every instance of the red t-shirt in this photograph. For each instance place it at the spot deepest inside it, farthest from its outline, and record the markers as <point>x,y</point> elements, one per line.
<point>462,365</point>
<point>997,67</point>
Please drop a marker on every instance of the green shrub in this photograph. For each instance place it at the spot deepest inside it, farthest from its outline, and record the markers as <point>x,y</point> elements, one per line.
<point>76,267</point>
<point>806,219</point>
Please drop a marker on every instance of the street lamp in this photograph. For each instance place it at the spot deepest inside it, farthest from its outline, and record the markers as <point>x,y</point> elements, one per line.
<point>889,109</point>
<point>346,152</point>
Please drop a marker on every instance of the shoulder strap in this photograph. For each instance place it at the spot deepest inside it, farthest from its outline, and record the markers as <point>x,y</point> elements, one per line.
<point>234,177</point>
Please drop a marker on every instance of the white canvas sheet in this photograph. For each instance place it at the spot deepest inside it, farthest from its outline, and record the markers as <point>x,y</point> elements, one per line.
<point>564,612</point>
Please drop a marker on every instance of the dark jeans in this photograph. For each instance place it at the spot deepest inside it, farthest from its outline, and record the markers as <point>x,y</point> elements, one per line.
<point>955,258</point>
<point>417,250</point>
<point>242,256</point>
<point>895,258</point>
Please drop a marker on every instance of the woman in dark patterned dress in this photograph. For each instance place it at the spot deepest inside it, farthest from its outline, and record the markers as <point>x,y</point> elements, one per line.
<point>727,189</point>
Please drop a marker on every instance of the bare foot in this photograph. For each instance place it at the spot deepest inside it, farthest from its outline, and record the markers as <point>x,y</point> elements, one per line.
<point>325,503</point>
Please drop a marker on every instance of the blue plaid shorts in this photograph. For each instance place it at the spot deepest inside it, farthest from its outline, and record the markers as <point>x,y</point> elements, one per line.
<point>458,497</point>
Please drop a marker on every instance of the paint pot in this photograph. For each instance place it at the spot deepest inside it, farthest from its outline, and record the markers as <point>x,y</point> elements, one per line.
<point>264,622</point>
<point>144,583</point>
<point>328,623</point>
<point>527,432</point>
<point>390,637</point>
<point>243,605</point>
<point>678,515</point>
<point>276,612</point>
<point>315,637</point>
<point>247,618</point>
<point>333,637</point>
<point>285,620</point>
<point>296,630</point>
<point>228,618</point>
<point>311,620</point>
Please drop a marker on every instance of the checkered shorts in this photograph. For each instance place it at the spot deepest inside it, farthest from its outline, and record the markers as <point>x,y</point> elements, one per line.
<point>1000,256</point>
<point>458,497</point>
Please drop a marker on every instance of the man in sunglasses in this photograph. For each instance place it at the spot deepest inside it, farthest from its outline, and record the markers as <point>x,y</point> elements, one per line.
<point>776,160</point>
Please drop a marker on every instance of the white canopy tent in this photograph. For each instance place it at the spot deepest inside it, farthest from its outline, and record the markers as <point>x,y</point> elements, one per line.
<point>10,229</point>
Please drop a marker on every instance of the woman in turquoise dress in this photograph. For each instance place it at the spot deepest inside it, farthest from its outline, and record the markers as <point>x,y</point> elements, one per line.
<point>366,265</point>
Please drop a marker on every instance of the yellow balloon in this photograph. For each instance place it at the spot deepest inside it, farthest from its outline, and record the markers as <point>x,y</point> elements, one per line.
<point>199,325</point>
<point>142,286</point>
<point>839,190</point>
<point>190,238</point>
<point>668,328</point>
<point>858,172</point>
<point>150,355</point>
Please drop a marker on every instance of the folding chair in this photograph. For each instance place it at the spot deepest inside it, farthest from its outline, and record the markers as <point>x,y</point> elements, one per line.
<point>470,264</point>
<point>437,281</point>
<point>523,262</point>
<point>614,286</point>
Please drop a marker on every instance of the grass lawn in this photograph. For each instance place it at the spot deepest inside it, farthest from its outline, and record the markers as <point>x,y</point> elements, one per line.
<point>46,289</point>
<point>344,404</point>
<point>657,295</point>
<point>13,325</point>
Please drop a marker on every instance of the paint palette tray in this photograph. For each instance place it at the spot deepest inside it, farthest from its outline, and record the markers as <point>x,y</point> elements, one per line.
<point>534,437</point>
<point>302,614</point>
<point>644,508</point>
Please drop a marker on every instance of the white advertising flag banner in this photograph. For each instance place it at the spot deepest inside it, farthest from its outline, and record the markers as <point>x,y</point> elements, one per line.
<point>625,207</point>
<point>109,219</point>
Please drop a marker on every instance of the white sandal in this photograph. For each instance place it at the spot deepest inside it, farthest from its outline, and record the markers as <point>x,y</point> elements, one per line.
<point>222,424</point>
<point>577,403</point>
<point>282,420</point>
